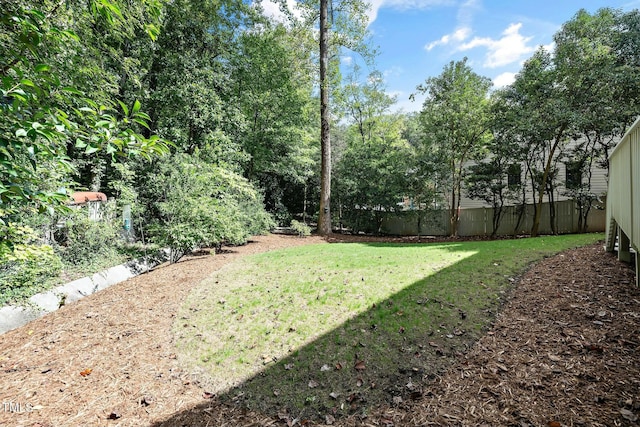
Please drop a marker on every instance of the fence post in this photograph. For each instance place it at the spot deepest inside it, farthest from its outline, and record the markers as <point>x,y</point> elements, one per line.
<point>624,254</point>
<point>485,220</point>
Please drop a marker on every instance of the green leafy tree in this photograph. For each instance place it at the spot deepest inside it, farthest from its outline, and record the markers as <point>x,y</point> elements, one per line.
<point>544,118</point>
<point>509,146</point>
<point>597,62</point>
<point>495,181</point>
<point>203,205</point>
<point>428,167</point>
<point>374,169</point>
<point>373,176</point>
<point>579,163</point>
<point>41,117</point>
<point>189,80</point>
<point>455,116</point>
<point>342,25</point>
<point>108,65</point>
<point>273,80</point>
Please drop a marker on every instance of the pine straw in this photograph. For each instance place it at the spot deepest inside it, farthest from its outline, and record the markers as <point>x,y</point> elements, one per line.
<point>563,352</point>
<point>123,335</point>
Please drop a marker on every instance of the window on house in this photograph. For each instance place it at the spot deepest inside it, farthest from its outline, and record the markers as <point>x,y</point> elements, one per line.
<point>514,175</point>
<point>574,174</point>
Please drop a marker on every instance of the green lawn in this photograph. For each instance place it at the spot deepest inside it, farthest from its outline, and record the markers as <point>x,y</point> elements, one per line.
<point>331,329</point>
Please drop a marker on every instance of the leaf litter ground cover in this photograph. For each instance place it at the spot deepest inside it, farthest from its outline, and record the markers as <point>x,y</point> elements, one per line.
<point>326,331</point>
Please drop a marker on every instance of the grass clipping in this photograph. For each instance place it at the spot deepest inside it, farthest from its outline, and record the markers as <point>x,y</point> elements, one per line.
<point>322,331</point>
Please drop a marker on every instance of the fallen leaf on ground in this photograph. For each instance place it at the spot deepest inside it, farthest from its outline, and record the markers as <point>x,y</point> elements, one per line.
<point>282,416</point>
<point>628,415</point>
<point>502,367</point>
<point>360,366</point>
<point>146,400</point>
<point>86,372</point>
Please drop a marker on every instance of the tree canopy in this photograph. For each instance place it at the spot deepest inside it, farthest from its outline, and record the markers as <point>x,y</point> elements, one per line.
<point>208,118</point>
<point>455,116</point>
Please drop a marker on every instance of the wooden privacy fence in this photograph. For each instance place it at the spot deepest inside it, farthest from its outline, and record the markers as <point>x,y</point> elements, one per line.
<point>478,221</point>
<point>623,201</point>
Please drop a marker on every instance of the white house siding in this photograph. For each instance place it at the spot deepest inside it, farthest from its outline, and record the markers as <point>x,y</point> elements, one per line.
<point>623,203</point>
<point>598,185</point>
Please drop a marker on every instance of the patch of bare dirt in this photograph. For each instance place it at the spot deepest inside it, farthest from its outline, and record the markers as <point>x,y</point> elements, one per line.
<point>564,351</point>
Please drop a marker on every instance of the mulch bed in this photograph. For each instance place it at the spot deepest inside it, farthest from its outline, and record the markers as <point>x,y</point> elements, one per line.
<point>564,351</point>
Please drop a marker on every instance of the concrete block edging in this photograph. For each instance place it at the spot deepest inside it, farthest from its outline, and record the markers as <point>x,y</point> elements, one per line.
<point>12,316</point>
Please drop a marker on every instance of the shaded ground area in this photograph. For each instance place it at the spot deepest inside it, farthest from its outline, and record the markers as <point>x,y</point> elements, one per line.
<point>563,352</point>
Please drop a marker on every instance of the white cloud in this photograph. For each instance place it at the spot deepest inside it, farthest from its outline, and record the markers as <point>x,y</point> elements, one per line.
<point>458,36</point>
<point>272,10</point>
<point>504,79</point>
<point>511,47</point>
<point>346,60</point>
<point>394,71</point>
<point>465,19</point>
<point>374,6</point>
<point>404,5</point>
<point>466,12</point>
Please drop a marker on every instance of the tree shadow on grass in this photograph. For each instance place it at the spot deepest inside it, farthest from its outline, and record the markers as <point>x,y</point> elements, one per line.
<point>386,355</point>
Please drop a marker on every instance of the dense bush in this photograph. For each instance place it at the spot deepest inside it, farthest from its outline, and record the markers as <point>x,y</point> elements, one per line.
<point>27,268</point>
<point>83,241</point>
<point>200,204</point>
<point>302,229</point>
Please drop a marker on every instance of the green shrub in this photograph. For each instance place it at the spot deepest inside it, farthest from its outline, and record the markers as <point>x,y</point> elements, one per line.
<point>199,204</point>
<point>84,241</point>
<point>301,228</point>
<point>27,269</point>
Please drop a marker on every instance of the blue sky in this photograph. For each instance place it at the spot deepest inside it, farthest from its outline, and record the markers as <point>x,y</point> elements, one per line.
<point>417,38</point>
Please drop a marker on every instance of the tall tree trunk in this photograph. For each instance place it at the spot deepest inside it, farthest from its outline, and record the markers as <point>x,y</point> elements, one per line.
<point>552,210</point>
<point>543,184</point>
<point>304,205</point>
<point>324,221</point>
